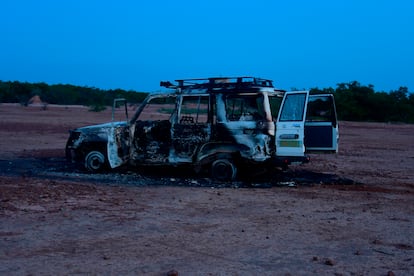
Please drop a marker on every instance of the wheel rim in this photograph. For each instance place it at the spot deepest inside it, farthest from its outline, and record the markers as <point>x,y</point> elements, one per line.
<point>94,161</point>
<point>224,170</point>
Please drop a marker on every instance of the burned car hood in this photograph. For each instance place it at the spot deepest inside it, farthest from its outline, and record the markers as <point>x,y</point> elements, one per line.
<point>100,127</point>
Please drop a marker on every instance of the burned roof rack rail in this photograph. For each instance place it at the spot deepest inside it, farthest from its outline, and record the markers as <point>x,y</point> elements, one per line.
<point>220,83</point>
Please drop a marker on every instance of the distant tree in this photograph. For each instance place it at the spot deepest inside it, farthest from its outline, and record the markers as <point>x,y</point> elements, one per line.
<point>402,109</point>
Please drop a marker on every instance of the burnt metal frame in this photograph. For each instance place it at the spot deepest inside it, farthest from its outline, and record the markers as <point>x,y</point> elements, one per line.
<point>220,83</point>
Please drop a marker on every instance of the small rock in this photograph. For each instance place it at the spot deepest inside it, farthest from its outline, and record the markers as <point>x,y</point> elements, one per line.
<point>329,262</point>
<point>172,273</point>
<point>390,273</point>
<point>376,241</point>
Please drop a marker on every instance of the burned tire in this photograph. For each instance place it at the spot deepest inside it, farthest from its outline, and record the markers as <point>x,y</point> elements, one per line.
<point>223,170</point>
<point>95,161</point>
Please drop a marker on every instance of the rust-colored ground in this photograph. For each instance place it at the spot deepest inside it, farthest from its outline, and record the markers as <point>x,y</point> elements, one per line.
<point>347,214</point>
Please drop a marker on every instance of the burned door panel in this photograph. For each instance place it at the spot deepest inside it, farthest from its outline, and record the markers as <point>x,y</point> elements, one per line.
<point>118,145</point>
<point>191,128</point>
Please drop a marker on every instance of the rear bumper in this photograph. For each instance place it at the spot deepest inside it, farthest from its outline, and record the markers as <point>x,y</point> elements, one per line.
<point>289,160</point>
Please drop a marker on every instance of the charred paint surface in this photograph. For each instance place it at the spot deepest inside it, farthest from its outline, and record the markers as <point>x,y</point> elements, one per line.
<point>187,140</point>
<point>246,119</point>
<point>85,139</point>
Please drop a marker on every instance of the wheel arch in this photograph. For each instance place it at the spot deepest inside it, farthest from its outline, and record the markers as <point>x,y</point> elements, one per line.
<point>210,152</point>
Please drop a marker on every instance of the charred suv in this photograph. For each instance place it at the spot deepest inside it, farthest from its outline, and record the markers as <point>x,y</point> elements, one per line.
<point>217,124</point>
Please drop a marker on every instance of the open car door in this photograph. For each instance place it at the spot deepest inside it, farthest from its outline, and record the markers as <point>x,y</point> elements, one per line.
<point>290,124</point>
<point>321,125</point>
<point>118,136</point>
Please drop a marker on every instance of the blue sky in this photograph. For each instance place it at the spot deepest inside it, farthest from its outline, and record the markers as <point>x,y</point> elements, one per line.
<point>134,44</point>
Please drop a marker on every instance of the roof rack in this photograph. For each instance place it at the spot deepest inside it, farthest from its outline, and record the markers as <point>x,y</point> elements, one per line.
<point>220,83</point>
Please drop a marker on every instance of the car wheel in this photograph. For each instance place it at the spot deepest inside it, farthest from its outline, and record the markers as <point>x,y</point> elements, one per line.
<point>95,161</point>
<point>223,170</point>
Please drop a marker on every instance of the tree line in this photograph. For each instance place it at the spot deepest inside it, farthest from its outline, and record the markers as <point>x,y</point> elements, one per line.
<point>65,94</point>
<point>354,102</point>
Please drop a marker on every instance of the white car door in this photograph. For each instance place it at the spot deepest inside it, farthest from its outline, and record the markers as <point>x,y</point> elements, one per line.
<point>290,124</point>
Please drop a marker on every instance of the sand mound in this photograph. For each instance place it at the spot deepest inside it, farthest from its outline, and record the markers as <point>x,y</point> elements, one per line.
<point>35,100</point>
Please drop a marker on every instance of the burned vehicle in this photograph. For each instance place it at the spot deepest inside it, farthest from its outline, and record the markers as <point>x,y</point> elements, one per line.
<point>220,125</point>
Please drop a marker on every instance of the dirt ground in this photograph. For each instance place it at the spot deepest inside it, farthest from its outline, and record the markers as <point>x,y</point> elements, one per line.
<point>345,214</point>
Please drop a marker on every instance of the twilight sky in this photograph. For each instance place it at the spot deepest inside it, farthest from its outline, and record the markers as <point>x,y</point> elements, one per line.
<point>131,44</point>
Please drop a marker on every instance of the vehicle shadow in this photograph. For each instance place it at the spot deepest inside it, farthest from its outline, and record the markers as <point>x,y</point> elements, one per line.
<point>58,168</point>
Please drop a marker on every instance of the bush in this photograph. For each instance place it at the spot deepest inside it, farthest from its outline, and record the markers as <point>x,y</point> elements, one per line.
<point>97,108</point>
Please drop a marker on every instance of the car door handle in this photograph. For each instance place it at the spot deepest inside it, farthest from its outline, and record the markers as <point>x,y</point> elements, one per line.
<point>289,136</point>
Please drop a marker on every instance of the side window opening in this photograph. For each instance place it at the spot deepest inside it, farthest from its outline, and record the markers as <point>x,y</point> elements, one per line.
<point>244,107</point>
<point>320,109</point>
<point>275,103</point>
<point>158,109</point>
<point>194,110</point>
<point>152,135</point>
